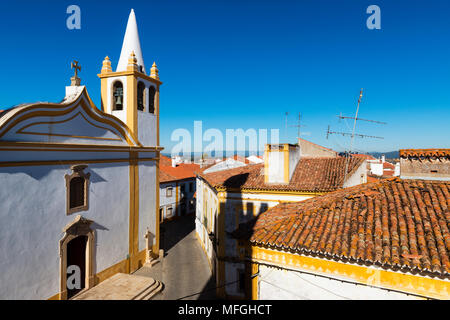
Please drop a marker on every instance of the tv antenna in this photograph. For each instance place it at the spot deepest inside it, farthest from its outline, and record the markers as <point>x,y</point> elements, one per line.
<point>298,125</point>
<point>353,134</point>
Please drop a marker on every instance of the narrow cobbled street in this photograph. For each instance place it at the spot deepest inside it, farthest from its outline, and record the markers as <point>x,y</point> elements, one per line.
<point>184,270</point>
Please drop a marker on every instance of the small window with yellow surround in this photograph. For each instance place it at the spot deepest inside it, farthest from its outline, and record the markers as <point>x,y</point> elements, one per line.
<point>77,189</point>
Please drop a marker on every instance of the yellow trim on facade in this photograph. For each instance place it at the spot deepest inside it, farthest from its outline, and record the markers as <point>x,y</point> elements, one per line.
<point>254,281</point>
<point>67,136</point>
<point>26,146</point>
<point>221,249</point>
<point>104,94</point>
<point>131,94</point>
<point>134,212</point>
<point>269,200</point>
<point>263,191</point>
<point>60,110</point>
<point>122,266</point>
<point>65,162</point>
<point>155,247</point>
<point>131,207</point>
<point>408,283</point>
<point>177,207</point>
<point>129,73</point>
<point>21,130</point>
<point>266,163</point>
<point>55,297</point>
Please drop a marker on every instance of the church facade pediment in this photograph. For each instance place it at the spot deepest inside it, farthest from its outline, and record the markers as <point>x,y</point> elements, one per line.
<point>75,120</point>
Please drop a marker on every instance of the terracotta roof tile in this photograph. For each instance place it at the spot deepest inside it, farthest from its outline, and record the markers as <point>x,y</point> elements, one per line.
<point>407,153</point>
<point>311,174</point>
<point>398,224</point>
<point>180,172</point>
<point>165,161</point>
<point>388,165</point>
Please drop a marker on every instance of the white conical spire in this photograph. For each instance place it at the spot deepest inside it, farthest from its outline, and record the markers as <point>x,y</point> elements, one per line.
<point>131,43</point>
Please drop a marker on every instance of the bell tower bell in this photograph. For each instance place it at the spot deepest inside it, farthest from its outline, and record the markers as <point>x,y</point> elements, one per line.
<point>129,93</point>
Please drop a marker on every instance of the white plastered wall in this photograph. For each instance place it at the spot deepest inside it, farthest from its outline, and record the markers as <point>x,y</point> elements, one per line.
<point>208,196</point>
<point>147,201</point>
<point>276,166</point>
<point>33,214</point>
<point>358,177</point>
<point>285,284</point>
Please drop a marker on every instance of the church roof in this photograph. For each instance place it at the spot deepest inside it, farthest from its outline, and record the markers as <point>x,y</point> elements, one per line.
<point>131,43</point>
<point>73,121</point>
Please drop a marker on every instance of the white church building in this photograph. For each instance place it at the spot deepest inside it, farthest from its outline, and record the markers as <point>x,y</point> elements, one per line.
<point>80,184</point>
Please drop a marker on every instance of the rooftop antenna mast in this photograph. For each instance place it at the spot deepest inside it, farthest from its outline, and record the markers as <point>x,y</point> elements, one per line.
<point>353,134</point>
<point>298,125</point>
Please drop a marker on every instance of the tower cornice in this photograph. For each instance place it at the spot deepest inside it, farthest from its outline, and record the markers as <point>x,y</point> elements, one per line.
<point>136,74</point>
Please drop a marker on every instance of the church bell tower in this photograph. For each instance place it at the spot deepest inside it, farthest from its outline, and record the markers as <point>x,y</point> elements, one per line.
<point>129,93</point>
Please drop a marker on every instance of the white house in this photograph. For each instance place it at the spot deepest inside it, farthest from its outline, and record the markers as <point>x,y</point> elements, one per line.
<point>177,188</point>
<point>228,198</point>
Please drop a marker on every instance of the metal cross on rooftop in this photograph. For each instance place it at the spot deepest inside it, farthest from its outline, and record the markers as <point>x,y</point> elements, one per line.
<point>74,65</point>
<point>75,81</point>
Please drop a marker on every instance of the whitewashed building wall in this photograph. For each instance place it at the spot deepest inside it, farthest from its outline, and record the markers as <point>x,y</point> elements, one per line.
<point>285,284</point>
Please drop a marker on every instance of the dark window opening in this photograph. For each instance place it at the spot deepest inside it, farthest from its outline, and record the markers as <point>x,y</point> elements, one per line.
<point>140,100</point>
<point>77,192</point>
<point>434,171</point>
<point>118,96</point>
<point>151,99</point>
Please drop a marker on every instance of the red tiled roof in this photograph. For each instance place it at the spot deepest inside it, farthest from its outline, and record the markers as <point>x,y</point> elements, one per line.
<point>165,161</point>
<point>405,153</point>
<point>387,165</point>
<point>398,224</point>
<point>372,178</point>
<point>181,171</point>
<point>311,175</point>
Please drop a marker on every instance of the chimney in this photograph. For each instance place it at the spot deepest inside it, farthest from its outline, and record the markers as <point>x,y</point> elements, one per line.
<point>280,161</point>
<point>174,162</point>
<point>383,158</point>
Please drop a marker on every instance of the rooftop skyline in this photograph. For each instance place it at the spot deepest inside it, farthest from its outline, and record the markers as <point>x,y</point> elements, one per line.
<point>244,64</point>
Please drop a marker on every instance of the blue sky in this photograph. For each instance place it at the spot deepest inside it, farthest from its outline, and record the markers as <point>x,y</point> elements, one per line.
<point>243,64</point>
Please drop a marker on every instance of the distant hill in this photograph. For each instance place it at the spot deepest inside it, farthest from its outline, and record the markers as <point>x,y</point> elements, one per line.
<point>388,155</point>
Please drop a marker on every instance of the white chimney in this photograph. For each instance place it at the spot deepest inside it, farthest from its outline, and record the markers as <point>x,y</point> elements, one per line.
<point>383,158</point>
<point>174,162</point>
<point>280,162</point>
